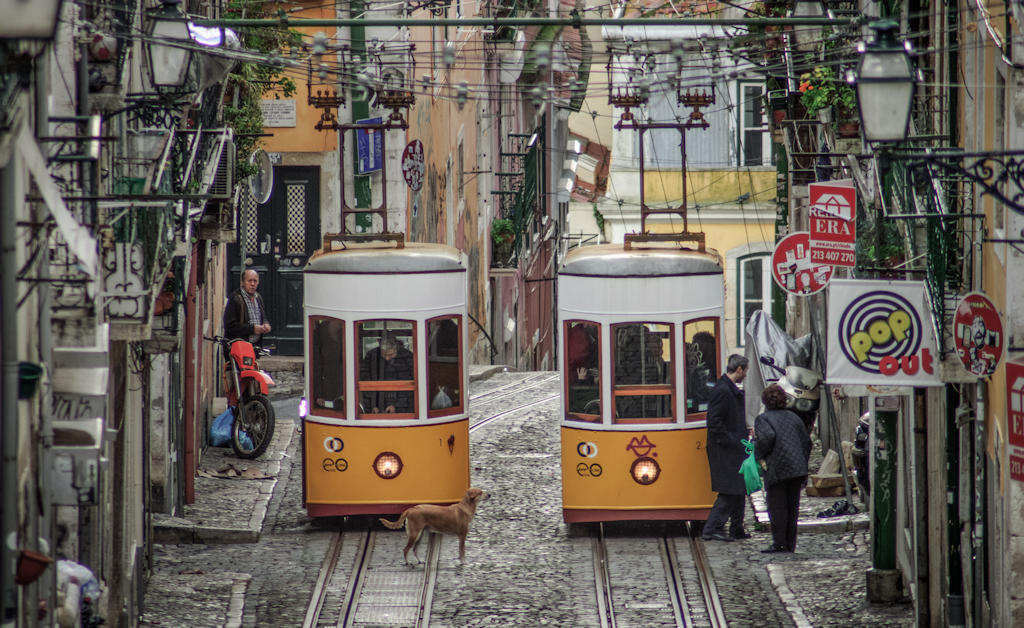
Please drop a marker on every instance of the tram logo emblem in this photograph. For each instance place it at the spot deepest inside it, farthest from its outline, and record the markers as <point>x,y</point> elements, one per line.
<point>334,444</point>
<point>593,470</point>
<point>641,447</point>
<point>587,449</point>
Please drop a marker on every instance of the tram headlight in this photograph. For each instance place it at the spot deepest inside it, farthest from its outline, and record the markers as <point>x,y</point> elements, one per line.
<point>645,470</point>
<point>303,408</point>
<point>387,465</point>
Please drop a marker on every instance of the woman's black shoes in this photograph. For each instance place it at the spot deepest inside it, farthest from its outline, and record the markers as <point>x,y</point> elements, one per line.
<point>775,549</point>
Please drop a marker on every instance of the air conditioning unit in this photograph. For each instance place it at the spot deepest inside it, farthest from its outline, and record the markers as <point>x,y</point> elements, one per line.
<point>224,177</point>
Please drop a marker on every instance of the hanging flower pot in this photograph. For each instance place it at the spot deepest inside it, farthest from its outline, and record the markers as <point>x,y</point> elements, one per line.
<point>28,379</point>
<point>31,565</point>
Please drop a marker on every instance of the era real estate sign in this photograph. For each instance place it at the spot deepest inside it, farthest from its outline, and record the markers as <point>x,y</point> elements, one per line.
<point>833,217</point>
<point>881,333</point>
<point>1015,416</point>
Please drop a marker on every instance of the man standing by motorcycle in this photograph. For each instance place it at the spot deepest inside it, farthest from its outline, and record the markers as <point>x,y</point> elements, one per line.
<point>245,315</point>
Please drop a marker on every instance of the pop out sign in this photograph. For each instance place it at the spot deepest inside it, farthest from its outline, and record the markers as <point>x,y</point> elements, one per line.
<point>833,217</point>
<point>1015,416</point>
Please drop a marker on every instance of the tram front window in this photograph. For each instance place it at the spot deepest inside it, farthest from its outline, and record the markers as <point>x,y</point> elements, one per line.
<point>643,372</point>
<point>702,366</point>
<point>387,367</point>
<point>327,375</point>
<point>582,374</point>
<point>444,377</point>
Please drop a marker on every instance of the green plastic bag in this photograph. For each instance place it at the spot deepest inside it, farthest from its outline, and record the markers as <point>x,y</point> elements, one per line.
<point>749,470</point>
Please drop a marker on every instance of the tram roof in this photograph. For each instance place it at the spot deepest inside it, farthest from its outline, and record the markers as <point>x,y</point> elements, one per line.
<point>614,260</point>
<point>414,257</point>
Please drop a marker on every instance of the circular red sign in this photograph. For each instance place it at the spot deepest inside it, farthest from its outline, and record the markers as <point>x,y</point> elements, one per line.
<point>792,267</point>
<point>978,333</point>
<point>412,165</point>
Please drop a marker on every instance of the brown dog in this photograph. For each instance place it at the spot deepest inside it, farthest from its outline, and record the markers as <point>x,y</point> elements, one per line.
<point>454,519</point>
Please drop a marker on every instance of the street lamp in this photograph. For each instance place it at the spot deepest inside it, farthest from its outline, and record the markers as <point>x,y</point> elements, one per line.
<point>29,19</point>
<point>885,85</point>
<point>169,44</point>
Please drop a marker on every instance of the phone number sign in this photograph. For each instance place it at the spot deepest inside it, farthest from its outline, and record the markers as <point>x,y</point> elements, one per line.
<point>833,217</point>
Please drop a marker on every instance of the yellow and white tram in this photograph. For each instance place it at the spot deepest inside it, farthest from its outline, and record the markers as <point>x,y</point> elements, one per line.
<point>386,423</point>
<point>642,347</point>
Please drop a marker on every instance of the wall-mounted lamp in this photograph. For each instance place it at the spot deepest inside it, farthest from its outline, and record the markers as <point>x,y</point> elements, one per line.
<point>885,81</point>
<point>29,19</point>
<point>169,46</point>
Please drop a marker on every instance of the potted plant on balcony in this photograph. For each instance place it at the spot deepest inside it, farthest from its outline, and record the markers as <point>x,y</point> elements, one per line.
<point>503,237</point>
<point>821,89</point>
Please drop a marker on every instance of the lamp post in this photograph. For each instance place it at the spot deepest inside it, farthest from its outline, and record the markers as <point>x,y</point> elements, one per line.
<point>885,81</point>
<point>169,46</point>
<point>29,19</point>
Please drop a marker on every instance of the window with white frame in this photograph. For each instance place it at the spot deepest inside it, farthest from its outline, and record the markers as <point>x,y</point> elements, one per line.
<point>753,138</point>
<point>755,290</point>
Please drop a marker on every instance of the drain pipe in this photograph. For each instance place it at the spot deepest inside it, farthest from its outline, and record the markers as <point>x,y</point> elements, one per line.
<point>9,187</point>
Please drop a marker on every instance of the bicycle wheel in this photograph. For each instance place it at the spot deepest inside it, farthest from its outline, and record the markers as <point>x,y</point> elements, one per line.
<point>253,428</point>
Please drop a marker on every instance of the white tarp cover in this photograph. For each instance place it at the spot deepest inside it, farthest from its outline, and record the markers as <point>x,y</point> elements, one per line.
<point>765,338</point>
<point>881,333</point>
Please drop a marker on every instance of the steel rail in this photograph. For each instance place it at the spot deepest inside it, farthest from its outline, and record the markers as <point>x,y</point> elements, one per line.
<point>602,579</point>
<point>355,582</point>
<point>327,567</point>
<point>680,608</point>
<point>429,580</point>
<point>504,391</point>
<point>707,582</point>
<point>494,417</point>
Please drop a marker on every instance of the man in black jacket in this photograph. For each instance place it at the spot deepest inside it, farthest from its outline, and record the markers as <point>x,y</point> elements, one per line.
<point>727,426</point>
<point>245,316</point>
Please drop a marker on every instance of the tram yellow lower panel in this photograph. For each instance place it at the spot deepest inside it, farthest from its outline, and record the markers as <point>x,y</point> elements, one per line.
<point>339,466</point>
<point>598,483</point>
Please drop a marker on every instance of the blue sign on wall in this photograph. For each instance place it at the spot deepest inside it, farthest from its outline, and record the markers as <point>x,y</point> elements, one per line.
<point>369,147</point>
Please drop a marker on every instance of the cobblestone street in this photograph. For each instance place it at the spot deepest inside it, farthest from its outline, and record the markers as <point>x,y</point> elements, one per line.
<point>522,567</point>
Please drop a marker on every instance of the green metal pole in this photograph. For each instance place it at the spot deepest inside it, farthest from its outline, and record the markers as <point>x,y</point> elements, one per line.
<point>360,111</point>
<point>883,490</point>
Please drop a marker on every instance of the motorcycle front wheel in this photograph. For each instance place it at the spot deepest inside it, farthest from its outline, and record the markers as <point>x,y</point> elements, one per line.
<point>253,428</point>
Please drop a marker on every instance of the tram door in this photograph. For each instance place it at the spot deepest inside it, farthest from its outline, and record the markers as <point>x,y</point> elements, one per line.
<point>275,239</point>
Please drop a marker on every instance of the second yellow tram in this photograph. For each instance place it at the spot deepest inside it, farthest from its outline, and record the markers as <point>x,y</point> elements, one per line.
<point>642,348</point>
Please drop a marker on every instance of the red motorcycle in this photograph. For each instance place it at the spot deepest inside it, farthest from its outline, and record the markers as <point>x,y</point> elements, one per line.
<point>254,415</point>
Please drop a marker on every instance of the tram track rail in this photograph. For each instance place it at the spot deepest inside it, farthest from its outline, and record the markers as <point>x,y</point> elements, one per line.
<point>688,607</point>
<point>359,582</point>
<point>505,389</point>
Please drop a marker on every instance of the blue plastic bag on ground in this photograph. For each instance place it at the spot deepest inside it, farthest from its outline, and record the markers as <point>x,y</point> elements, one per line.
<point>220,429</point>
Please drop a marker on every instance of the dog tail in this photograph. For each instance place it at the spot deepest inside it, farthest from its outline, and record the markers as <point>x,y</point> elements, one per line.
<point>394,525</point>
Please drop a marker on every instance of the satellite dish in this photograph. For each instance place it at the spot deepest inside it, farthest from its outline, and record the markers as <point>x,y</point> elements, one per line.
<point>262,182</point>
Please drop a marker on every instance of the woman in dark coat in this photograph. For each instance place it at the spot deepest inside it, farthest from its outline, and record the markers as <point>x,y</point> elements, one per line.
<point>782,442</point>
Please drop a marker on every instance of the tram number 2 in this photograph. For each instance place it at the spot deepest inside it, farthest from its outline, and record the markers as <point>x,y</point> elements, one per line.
<point>335,464</point>
<point>585,470</point>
